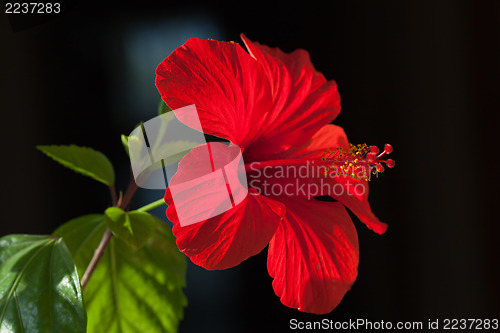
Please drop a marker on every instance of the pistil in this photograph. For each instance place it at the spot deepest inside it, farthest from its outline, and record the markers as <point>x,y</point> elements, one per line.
<point>359,162</point>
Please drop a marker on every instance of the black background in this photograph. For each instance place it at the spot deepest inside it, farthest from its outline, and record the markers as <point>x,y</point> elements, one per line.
<point>421,75</point>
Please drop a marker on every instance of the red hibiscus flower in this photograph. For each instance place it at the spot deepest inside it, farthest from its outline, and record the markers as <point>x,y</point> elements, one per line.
<point>278,109</point>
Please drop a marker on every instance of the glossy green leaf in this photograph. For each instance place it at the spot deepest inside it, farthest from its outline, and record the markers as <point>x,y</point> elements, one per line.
<point>163,107</point>
<point>39,286</point>
<point>84,160</point>
<point>130,290</point>
<point>134,228</point>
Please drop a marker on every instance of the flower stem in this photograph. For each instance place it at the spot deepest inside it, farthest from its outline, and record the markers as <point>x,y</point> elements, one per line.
<point>152,205</point>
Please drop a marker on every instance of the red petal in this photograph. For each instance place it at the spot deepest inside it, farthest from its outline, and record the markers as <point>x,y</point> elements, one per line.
<point>313,256</point>
<point>355,197</point>
<point>226,239</point>
<point>226,84</point>
<point>329,136</point>
<point>305,99</point>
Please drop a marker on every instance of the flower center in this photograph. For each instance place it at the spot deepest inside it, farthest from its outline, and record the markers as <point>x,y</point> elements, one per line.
<point>359,161</point>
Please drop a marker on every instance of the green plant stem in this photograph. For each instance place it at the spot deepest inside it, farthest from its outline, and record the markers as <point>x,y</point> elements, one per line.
<point>99,252</point>
<point>152,205</point>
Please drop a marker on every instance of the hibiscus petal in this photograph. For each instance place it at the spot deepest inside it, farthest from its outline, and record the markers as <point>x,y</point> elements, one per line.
<point>313,257</point>
<point>227,235</point>
<point>226,240</point>
<point>355,197</point>
<point>305,99</point>
<point>329,136</point>
<point>225,83</point>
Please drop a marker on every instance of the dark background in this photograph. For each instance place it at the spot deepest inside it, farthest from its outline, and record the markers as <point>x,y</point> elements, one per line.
<point>421,75</point>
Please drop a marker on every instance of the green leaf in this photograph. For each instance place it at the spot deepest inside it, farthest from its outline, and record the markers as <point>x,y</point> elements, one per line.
<point>163,107</point>
<point>130,290</point>
<point>134,228</point>
<point>84,160</point>
<point>39,286</point>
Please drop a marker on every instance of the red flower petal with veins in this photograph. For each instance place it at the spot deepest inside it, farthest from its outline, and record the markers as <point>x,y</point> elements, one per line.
<point>304,100</point>
<point>225,83</point>
<point>313,257</point>
<point>226,240</point>
<point>326,137</point>
<point>229,238</point>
